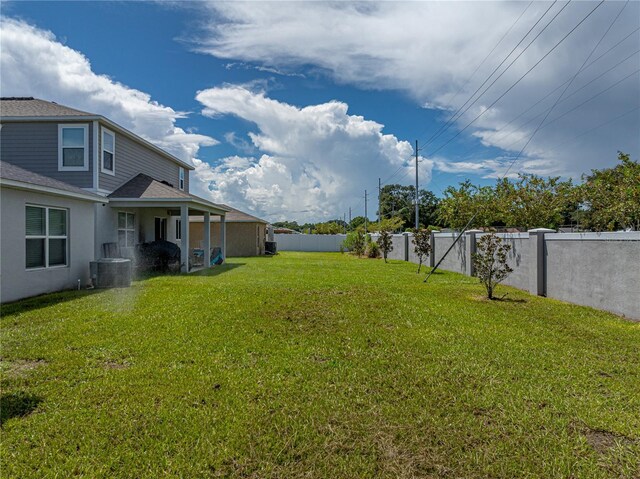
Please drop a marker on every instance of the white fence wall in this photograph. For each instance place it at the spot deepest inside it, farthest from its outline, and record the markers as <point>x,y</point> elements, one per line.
<point>303,242</point>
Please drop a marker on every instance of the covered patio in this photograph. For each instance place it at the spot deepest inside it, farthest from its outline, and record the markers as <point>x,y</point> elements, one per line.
<point>151,210</point>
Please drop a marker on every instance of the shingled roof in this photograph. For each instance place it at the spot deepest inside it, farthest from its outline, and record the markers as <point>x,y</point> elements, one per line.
<point>144,186</point>
<point>34,107</point>
<point>233,216</point>
<point>14,173</point>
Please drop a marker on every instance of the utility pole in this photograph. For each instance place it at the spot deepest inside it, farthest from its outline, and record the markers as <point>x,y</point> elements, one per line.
<point>365,211</point>
<point>344,220</point>
<point>417,195</point>
<point>349,215</point>
<point>379,200</point>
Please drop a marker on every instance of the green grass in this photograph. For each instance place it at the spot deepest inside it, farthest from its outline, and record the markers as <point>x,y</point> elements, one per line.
<point>316,366</point>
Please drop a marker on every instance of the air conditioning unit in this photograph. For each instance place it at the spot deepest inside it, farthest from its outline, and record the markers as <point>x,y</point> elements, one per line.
<point>270,247</point>
<point>111,272</point>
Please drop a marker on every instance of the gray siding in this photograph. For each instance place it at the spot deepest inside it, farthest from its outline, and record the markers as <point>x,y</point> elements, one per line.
<point>34,147</point>
<point>133,158</point>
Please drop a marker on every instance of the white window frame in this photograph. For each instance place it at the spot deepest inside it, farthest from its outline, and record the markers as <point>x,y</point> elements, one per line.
<point>126,230</point>
<point>85,166</point>
<point>103,149</point>
<point>181,178</point>
<point>46,237</point>
<point>178,229</point>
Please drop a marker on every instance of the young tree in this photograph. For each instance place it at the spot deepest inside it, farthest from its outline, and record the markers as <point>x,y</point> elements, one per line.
<point>385,243</point>
<point>490,262</point>
<point>611,197</point>
<point>422,242</point>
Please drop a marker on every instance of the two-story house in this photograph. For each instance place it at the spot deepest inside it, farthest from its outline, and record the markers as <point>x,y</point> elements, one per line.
<point>73,183</point>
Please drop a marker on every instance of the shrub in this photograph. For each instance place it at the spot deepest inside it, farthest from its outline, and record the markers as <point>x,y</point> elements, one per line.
<point>373,251</point>
<point>490,262</point>
<point>355,242</point>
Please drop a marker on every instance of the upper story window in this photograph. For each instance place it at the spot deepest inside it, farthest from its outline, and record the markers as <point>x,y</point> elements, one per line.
<point>46,237</point>
<point>73,147</point>
<point>181,179</point>
<point>108,152</point>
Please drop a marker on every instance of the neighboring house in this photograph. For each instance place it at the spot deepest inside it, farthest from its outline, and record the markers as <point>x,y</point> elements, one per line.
<point>246,234</point>
<point>135,191</point>
<point>285,231</point>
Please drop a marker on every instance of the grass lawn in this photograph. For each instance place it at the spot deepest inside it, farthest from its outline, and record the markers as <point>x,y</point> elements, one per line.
<point>318,366</point>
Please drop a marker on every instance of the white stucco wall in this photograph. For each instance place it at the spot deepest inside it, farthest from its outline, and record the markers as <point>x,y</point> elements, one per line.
<point>16,281</point>
<point>304,242</point>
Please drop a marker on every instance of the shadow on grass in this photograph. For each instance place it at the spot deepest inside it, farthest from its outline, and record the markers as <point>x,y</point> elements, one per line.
<point>220,269</point>
<point>18,404</point>
<point>510,300</point>
<point>498,299</point>
<point>44,301</point>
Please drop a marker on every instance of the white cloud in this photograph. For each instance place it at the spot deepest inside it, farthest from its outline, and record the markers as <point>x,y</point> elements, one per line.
<point>35,63</point>
<point>315,162</point>
<point>429,50</point>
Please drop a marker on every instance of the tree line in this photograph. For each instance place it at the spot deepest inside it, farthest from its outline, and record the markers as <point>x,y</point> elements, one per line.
<point>606,200</point>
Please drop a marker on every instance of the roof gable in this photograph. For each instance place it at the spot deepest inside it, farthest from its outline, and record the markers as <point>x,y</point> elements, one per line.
<point>144,186</point>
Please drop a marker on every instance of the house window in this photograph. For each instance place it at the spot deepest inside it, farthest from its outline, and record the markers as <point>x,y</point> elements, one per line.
<point>126,229</point>
<point>46,237</point>
<point>73,147</point>
<point>178,229</point>
<point>108,152</point>
<point>181,179</point>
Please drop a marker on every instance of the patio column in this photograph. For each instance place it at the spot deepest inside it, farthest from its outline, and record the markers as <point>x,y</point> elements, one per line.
<point>184,243</point>
<point>223,237</point>
<point>207,239</point>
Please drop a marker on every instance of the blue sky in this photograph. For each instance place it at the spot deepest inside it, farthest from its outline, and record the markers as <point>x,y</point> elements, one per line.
<point>291,110</point>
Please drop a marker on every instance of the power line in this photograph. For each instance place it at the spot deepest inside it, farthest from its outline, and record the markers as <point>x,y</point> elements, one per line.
<point>566,87</point>
<point>582,133</point>
<point>450,121</point>
<point>490,53</point>
<point>580,104</point>
<point>493,135</point>
<point>519,79</point>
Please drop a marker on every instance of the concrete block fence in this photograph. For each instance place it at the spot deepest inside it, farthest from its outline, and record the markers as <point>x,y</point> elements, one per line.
<point>601,270</point>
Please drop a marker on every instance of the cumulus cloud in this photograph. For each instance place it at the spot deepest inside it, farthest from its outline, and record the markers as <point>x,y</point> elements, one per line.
<point>35,63</point>
<point>431,49</point>
<point>314,161</point>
